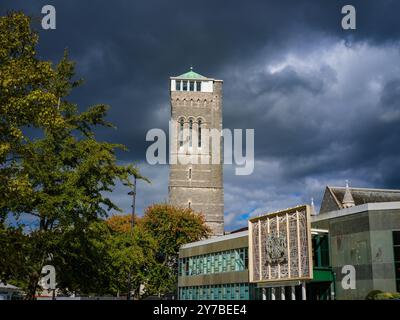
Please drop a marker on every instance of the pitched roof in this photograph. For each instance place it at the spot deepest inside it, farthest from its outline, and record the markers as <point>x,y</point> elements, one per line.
<point>191,75</point>
<point>334,195</point>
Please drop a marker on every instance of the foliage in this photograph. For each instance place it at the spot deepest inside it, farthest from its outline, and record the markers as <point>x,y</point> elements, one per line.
<point>120,223</point>
<point>380,295</point>
<point>171,227</point>
<point>132,256</point>
<point>82,260</point>
<point>151,250</point>
<point>174,226</point>
<point>387,296</point>
<point>13,251</point>
<point>372,294</point>
<point>54,180</point>
<point>57,175</point>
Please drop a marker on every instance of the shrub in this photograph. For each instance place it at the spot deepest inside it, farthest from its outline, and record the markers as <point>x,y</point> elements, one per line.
<point>372,294</point>
<point>387,296</point>
<point>380,295</point>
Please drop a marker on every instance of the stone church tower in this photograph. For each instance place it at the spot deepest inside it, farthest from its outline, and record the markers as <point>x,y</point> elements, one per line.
<point>196,182</point>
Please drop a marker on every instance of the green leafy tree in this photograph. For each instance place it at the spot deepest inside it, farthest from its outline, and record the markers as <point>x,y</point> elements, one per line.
<point>59,178</point>
<point>149,253</point>
<point>132,255</point>
<point>12,252</point>
<point>27,92</point>
<point>171,227</point>
<point>82,260</point>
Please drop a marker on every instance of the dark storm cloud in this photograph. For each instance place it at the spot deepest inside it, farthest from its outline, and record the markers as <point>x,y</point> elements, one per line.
<point>323,102</point>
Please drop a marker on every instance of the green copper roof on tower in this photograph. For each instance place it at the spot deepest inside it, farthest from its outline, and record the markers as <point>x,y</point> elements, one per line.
<point>191,75</point>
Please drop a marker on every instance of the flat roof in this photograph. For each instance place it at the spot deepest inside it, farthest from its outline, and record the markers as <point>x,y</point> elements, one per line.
<point>356,209</point>
<point>367,189</point>
<point>216,239</point>
<point>8,286</point>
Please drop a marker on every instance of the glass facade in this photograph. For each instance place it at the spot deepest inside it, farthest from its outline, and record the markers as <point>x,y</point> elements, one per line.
<point>396,248</point>
<point>236,260</point>
<point>225,261</point>
<point>216,263</point>
<point>230,291</point>
<point>320,244</point>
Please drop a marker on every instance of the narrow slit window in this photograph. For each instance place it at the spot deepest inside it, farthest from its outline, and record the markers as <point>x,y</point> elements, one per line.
<point>181,123</point>
<point>190,133</point>
<point>190,173</point>
<point>199,133</point>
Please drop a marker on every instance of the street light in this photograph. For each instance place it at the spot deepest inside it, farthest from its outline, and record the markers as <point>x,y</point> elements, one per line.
<point>133,194</point>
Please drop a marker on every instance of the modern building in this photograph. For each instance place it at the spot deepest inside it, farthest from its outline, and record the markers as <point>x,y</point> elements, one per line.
<point>195,181</point>
<point>356,229</point>
<point>9,292</point>
<point>217,269</point>
<point>364,229</point>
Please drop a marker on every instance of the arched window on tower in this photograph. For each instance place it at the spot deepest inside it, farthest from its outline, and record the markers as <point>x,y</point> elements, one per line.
<point>199,132</point>
<point>181,124</point>
<point>190,132</point>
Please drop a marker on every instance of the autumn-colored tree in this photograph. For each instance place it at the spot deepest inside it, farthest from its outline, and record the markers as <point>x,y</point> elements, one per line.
<point>149,252</point>
<point>121,223</point>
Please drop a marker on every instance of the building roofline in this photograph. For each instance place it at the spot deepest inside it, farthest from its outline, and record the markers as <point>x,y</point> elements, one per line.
<point>373,206</point>
<point>8,286</point>
<point>339,203</point>
<point>216,239</point>
<point>366,189</point>
<point>193,79</point>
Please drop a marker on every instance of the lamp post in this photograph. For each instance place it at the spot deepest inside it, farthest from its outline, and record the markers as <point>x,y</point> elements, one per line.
<point>133,194</point>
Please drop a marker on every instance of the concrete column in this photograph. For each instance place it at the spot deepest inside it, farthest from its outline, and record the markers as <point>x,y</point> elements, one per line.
<point>303,291</point>
<point>273,294</point>
<point>264,293</point>
<point>283,293</point>
<point>293,292</point>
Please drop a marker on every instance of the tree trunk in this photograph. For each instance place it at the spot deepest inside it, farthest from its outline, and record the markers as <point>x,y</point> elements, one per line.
<point>32,286</point>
